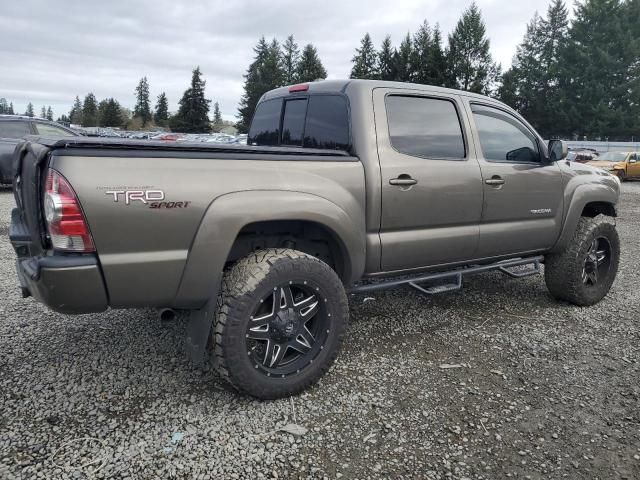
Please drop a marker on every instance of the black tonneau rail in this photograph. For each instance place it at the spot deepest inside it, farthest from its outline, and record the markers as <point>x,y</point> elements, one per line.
<point>95,143</point>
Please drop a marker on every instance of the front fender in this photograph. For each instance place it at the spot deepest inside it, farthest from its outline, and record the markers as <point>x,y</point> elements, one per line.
<point>583,195</point>
<point>228,214</point>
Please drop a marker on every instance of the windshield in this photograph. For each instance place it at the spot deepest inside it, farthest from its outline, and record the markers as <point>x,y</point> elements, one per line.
<point>613,157</point>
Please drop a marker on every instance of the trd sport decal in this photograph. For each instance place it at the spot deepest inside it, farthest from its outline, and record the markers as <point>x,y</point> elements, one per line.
<point>153,198</point>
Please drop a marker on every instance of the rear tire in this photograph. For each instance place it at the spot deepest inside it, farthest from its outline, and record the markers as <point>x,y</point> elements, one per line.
<point>583,273</point>
<point>280,323</point>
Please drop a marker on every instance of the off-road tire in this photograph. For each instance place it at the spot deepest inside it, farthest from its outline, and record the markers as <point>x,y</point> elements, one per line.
<point>244,284</point>
<point>563,271</point>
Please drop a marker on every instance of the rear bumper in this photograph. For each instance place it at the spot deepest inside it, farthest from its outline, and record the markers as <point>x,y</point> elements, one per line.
<point>65,283</point>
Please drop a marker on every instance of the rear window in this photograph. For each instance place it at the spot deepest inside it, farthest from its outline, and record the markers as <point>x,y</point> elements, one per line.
<point>316,121</point>
<point>265,127</point>
<point>14,129</point>
<point>425,127</point>
<point>53,130</point>
<point>293,122</point>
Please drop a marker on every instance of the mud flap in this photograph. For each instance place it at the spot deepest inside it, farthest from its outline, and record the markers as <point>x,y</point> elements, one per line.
<point>198,330</point>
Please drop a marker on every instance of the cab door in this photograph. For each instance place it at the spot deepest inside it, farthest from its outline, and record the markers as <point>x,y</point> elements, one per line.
<point>523,194</point>
<point>431,181</point>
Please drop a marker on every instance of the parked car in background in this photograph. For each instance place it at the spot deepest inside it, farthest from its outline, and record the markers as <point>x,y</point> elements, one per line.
<point>623,164</point>
<point>13,128</point>
<point>582,155</point>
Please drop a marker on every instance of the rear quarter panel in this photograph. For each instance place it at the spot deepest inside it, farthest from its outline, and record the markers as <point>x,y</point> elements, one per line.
<point>144,252</point>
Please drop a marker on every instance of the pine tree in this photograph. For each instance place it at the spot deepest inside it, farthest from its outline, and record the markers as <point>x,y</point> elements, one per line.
<point>90,111</point>
<point>365,61</point>
<point>597,63</point>
<point>29,112</point>
<point>43,112</point>
<point>109,113</point>
<point>4,106</point>
<point>11,112</point>
<point>76,112</point>
<point>421,54</point>
<point>402,60</point>
<point>218,123</point>
<point>49,113</point>
<point>161,115</point>
<point>265,73</point>
<point>310,67</point>
<point>437,67</point>
<point>142,109</point>
<point>193,113</point>
<point>385,66</point>
<point>470,66</point>
<point>290,60</point>
<point>64,119</point>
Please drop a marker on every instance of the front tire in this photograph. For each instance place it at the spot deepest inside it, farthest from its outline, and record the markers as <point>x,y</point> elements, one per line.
<point>583,273</point>
<point>280,323</point>
<point>621,175</point>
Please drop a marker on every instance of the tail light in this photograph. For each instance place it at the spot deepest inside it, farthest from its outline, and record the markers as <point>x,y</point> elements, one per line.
<point>66,224</point>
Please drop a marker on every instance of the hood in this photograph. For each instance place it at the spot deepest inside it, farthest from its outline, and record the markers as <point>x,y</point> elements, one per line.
<point>605,164</point>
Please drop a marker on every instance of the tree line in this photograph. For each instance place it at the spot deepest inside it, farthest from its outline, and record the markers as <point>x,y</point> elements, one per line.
<point>569,79</point>
<point>276,65</point>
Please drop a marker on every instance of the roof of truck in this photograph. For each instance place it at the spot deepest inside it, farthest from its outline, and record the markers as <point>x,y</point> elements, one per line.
<point>356,84</point>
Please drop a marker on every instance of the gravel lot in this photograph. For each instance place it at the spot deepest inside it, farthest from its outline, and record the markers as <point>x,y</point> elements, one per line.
<point>542,389</point>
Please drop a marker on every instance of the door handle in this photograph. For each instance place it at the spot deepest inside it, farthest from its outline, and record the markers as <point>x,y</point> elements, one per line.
<point>495,181</point>
<point>403,180</point>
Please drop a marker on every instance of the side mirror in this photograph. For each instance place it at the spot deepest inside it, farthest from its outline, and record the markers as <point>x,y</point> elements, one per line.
<point>558,150</point>
<point>633,159</point>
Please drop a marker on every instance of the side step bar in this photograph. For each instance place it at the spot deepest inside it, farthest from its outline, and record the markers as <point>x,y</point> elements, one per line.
<point>456,276</point>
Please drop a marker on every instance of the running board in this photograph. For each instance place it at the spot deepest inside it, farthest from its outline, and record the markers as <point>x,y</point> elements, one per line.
<point>456,276</point>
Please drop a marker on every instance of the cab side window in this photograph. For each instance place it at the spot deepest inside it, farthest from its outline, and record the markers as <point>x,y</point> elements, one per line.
<point>503,137</point>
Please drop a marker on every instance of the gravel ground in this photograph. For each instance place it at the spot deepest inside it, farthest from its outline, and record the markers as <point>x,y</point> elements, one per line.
<point>541,389</point>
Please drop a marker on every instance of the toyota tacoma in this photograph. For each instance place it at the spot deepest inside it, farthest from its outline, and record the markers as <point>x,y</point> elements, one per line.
<point>343,186</point>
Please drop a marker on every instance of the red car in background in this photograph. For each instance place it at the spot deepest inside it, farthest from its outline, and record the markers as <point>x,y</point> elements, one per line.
<point>582,155</point>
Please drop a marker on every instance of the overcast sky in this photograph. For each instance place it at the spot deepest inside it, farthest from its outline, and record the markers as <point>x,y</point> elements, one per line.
<point>52,51</point>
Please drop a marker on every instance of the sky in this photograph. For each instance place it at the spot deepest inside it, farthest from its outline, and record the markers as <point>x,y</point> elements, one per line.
<point>53,51</point>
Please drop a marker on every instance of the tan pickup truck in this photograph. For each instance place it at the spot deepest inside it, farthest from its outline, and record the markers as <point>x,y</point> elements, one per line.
<point>344,186</point>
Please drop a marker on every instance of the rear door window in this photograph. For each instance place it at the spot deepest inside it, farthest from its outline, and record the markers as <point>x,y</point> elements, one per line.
<point>425,127</point>
<point>14,129</point>
<point>265,127</point>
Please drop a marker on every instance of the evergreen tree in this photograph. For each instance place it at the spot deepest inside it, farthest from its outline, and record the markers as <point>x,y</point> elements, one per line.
<point>43,112</point>
<point>310,67</point>
<point>49,115</point>
<point>142,109</point>
<point>90,111</point>
<point>161,115</point>
<point>4,106</point>
<point>386,67</point>
<point>470,66</point>
<point>109,113</point>
<point>598,62</point>
<point>428,60</point>
<point>402,61</point>
<point>11,112</point>
<point>218,123</point>
<point>29,112</point>
<point>76,112</point>
<point>290,60</point>
<point>265,73</point>
<point>193,113</point>
<point>365,61</point>
<point>64,119</point>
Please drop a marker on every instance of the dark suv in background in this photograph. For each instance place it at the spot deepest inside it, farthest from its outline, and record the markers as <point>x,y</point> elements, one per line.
<point>15,127</point>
